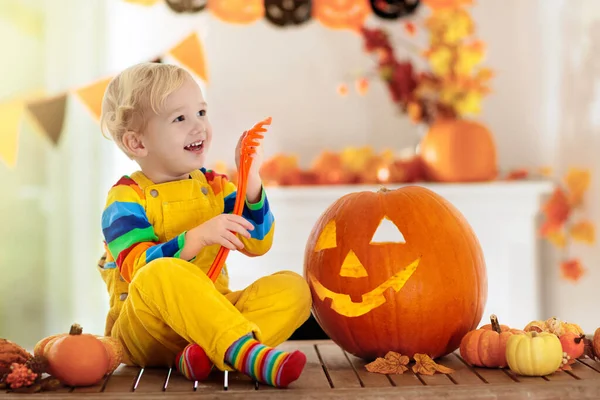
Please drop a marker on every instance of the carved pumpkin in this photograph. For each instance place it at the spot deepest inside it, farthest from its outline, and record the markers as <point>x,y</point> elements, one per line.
<point>459,151</point>
<point>397,270</point>
<point>183,6</point>
<point>341,14</point>
<point>486,346</point>
<point>288,12</point>
<point>237,11</point>
<point>77,359</point>
<point>393,9</point>
<point>534,353</point>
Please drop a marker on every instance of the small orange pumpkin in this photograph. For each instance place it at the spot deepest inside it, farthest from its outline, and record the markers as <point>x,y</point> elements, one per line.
<point>486,346</point>
<point>572,344</point>
<point>458,150</point>
<point>77,359</point>
<point>342,14</point>
<point>237,11</point>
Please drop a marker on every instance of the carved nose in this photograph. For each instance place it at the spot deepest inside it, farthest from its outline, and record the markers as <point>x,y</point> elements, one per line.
<point>352,267</point>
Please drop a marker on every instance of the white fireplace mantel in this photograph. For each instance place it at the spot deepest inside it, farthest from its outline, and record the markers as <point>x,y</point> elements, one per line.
<point>504,215</point>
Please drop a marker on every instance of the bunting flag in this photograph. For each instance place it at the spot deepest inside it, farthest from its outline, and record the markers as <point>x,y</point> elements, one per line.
<point>190,53</point>
<point>143,2</point>
<point>10,124</point>
<point>26,18</point>
<point>49,115</point>
<point>91,96</point>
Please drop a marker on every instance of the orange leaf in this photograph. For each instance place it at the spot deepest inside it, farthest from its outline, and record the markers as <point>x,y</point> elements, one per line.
<point>584,232</point>
<point>362,86</point>
<point>424,365</point>
<point>342,89</point>
<point>557,208</point>
<point>517,174</point>
<point>572,270</point>
<point>393,363</point>
<point>578,182</point>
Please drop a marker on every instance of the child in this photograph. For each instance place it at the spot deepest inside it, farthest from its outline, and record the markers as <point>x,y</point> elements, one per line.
<point>163,227</point>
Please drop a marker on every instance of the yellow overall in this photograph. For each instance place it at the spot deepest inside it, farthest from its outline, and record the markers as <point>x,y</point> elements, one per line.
<point>171,302</point>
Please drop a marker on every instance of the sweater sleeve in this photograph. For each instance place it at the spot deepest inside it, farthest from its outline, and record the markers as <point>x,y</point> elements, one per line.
<point>129,236</point>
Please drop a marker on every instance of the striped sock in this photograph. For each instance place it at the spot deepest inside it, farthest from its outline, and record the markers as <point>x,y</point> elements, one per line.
<point>193,363</point>
<point>265,364</point>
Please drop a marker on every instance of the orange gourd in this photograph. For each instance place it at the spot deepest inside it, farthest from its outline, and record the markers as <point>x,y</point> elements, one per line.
<point>572,344</point>
<point>342,14</point>
<point>458,150</point>
<point>486,346</point>
<point>237,11</point>
<point>395,270</point>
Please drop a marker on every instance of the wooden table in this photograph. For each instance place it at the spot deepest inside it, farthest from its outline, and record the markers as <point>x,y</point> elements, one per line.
<point>332,373</point>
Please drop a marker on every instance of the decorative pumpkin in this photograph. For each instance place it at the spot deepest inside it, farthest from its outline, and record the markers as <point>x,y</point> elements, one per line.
<point>288,12</point>
<point>393,9</point>
<point>572,344</point>
<point>457,150</point>
<point>341,14</point>
<point>237,11</point>
<point>596,343</point>
<point>76,359</point>
<point>553,325</point>
<point>397,270</point>
<point>486,346</point>
<point>190,6</point>
<point>10,353</point>
<point>534,354</point>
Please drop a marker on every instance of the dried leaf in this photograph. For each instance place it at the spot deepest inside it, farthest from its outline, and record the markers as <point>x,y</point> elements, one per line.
<point>557,211</point>
<point>393,363</point>
<point>424,365</point>
<point>517,174</point>
<point>572,270</point>
<point>545,171</point>
<point>578,182</point>
<point>557,238</point>
<point>584,232</point>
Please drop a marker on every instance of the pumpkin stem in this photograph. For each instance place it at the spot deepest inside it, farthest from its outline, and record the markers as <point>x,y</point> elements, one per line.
<point>534,334</point>
<point>383,189</point>
<point>495,323</point>
<point>579,339</point>
<point>76,329</point>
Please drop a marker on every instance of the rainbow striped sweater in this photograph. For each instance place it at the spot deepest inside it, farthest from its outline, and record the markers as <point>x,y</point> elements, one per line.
<point>130,238</point>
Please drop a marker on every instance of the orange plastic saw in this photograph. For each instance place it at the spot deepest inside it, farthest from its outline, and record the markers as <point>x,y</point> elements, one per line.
<point>247,149</point>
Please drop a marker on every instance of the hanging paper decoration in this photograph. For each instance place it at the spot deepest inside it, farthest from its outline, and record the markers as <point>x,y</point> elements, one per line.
<point>91,96</point>
<point>147,3</point>
<point>394,9</point>
<point>10,123</point>
<point>341,14</point>
<point>186,6</point>
<point>288,12</point>
<point>49,115</point>
<point>190,53</point>
<point>237,11</point>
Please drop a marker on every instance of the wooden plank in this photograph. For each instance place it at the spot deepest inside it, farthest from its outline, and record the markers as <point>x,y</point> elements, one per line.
<point>337,366</point>
<point>582,371</point>
<point>559,376</point>
<point>240,382</point>
<point>595,365</point>
<point>92,389</point>
<point>313,376</point>
<point>368,379</point>
<point>152,380</point>
<point>462,375</point>
<point>524,379</point>
<point>178,382</point>
<point>122,379</point>
<point>488,375</point>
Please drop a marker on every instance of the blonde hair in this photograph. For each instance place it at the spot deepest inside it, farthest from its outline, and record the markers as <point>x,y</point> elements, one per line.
<point>133,94</point>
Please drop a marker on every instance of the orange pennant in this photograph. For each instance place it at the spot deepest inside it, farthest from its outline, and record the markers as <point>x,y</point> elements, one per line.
<point>190,53</point>
<point>91,96</point>
<point>49,114</point>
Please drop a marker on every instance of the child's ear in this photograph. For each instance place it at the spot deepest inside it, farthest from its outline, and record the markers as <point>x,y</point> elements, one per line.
<point>132,141</point>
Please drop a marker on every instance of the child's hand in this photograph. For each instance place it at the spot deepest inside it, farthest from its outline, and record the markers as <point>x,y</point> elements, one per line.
<point>218,230</point>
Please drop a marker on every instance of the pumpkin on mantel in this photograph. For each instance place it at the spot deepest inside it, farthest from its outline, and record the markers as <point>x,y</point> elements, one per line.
<point>459,150</point>
<point>395,270</point>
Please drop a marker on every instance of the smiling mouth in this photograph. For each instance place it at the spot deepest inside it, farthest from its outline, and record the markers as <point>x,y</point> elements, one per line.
<point>343,304</point>
<point>195,147</point>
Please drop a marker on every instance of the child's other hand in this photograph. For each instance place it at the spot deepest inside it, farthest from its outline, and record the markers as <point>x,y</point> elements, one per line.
<point>222,229</point>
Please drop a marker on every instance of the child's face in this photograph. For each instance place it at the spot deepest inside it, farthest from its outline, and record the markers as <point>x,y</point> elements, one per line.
<point>177,139</point>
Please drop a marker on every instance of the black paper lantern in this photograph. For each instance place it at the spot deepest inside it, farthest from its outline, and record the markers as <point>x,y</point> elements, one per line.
<point>189,6</point>
<point>394,9</point>
<point>288,12</point>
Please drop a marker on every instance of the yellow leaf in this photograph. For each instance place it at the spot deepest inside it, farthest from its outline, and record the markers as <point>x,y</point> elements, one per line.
<point>584,232</point>
<point>578,182</point>
<point>557,238</point>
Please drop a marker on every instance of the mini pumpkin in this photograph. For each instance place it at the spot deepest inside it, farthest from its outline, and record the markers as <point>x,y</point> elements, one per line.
<point>486,346</point>
<point>572,344</point>
<point>595,345</point>
<point>383,266</point>
<point>237,11</point>
<point>394,9</point>
<point>288,12</point>
<point>534,354</point>
<point>341,14</point>
<point>186,6</point>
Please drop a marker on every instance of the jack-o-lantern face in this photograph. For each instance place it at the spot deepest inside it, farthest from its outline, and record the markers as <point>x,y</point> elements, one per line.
<point>395,270</point>
<point>237,11</point>
<point>288,12</point>
<point>393,9</point>
<point>190,6</point>
<point>341,14</point>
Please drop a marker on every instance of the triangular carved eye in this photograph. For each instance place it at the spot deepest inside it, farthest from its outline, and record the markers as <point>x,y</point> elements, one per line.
<point>327,239</point>
<point>387,232</point>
